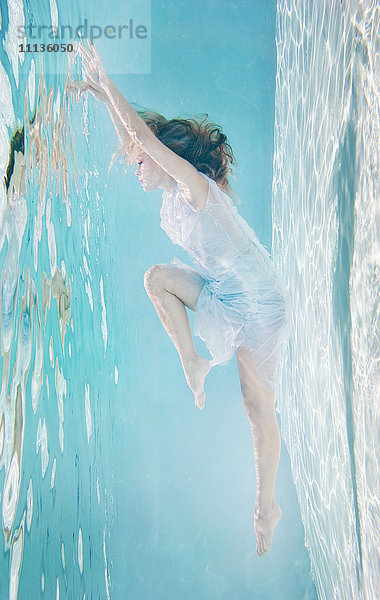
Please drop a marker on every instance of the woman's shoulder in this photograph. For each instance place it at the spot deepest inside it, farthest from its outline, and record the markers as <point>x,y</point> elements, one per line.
<point>214,195</point>
<point>217,195</point>
<point>181,193</point>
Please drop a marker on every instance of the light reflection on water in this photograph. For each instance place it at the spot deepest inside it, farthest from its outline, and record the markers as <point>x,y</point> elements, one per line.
<point>325,243</point>
<point>38,340</point>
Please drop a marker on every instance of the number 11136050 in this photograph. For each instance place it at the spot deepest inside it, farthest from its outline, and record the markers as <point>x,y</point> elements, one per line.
<point>46,47</point>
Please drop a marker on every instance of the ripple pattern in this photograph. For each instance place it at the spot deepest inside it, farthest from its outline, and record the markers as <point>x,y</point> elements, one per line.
<point>44,358</point>
<point>324,243</point>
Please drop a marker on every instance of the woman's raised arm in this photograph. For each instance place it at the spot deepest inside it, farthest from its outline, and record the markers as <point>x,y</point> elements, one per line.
<point>135,128</point>
<point>100,95</point>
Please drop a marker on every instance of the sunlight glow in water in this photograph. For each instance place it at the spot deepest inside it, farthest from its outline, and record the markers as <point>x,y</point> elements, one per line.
<point>325,191</point>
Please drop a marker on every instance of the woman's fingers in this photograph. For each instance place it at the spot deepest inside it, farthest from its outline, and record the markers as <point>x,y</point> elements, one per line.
<point>94,51</point>
<point>97,61</point>
<point>96,91</point>
<point>84,51</point>
<point>79,85</point>
<point>78,88</point>
<point>86,86</point>
<point>87,62</point>
<point>90,59</point>
<point>90,54</point>
<point>92,74</point>
<point>92,63</point>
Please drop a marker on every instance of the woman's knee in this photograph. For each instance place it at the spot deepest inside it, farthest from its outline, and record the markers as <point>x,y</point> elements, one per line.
<point>154,279</point>
<point>185,284</point>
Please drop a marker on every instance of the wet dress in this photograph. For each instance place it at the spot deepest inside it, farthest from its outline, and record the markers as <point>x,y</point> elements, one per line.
<point>242,299</point>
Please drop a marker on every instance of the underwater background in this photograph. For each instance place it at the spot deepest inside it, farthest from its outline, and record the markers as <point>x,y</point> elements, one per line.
<point>112,483</point>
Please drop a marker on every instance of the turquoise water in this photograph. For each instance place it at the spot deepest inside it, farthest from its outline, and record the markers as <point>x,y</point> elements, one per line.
<point>112,484</point>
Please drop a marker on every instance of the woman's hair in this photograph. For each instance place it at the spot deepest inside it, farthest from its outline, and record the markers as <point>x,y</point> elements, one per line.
<point>198,141</point>
<point>17,145</point>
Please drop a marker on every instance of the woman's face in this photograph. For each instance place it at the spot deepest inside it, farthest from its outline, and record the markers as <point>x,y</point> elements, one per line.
<point>149,173</point>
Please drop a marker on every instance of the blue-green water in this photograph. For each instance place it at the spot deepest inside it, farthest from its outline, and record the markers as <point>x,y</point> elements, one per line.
<point>113,485</point>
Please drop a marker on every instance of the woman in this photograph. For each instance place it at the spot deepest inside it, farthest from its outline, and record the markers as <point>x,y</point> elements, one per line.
<point>237,298</point>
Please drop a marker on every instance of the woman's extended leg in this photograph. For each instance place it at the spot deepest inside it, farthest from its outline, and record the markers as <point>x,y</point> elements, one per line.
<point>171,290</point>
<point>258,400</point>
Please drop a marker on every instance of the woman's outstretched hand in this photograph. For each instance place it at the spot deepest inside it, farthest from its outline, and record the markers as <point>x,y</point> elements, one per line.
<point>126,120</point>
<point>84,86</point>
<point>96,76</point>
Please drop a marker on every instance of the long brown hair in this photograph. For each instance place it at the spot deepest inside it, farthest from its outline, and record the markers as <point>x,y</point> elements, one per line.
<point>197,140</point>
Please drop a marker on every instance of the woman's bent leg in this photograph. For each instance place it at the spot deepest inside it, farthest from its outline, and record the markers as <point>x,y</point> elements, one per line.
<point>172,289</point>
<point>258,400</point>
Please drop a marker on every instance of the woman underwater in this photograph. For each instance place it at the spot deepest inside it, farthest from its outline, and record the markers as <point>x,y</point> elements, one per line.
<point>234,291</point>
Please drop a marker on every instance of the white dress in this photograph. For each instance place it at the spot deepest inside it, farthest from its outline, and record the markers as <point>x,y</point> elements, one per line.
<point>242,300</point>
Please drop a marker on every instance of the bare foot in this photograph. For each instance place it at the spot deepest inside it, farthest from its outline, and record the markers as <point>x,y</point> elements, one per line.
<point>195,373</point>
<point>264,528</point>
